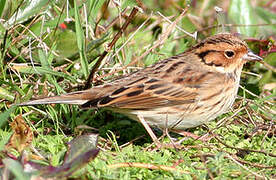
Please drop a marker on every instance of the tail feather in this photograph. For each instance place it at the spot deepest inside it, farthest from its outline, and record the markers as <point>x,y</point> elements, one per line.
<point>77,98</point>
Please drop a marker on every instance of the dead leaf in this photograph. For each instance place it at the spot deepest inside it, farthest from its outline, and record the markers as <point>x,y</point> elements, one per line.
<point>22,136</point>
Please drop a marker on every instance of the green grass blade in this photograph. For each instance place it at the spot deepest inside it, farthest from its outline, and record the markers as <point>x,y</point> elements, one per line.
<point>5,115</point>
<point>81,42</point>
<point>241,12</point>
<point>42,70</point>
<point>2,6</point>
<point>23,14</point>
<point>5,94</point>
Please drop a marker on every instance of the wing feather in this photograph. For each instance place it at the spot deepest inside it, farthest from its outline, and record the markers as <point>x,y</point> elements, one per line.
<point>148,95</point>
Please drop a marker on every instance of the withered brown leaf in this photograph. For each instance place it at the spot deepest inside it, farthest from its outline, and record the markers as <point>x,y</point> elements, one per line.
<point>22,136</point>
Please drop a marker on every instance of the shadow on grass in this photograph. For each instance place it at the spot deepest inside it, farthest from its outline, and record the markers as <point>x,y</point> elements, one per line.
<point>123,127</point>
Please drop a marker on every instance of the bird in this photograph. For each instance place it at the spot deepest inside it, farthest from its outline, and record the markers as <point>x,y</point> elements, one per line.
<point>177,93</point>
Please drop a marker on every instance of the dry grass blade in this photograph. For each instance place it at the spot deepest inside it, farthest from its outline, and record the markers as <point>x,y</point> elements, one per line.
<point>110,45</point>
<point>148,166</point>
<point>163,38</point>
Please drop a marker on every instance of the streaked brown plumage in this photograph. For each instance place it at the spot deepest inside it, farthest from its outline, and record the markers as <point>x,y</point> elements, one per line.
<point>180,92</point>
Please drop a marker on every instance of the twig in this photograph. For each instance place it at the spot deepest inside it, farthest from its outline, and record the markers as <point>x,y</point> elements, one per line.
<point>241,149</point>
<point>267,132</point>
<point>226,119</point>
<point>163,37</point>
<point>241,165</point>
<point>130,142</point>
<point>148,166</point>
<point>110,45</point>
<point>227,25</point>
<point>239,160</point>
<point>203,159</point>
<point>255,164</point>
<point>194,35</point>
<point>132,36</point>
<point>249,92</point>
<point>252,74</point>
<point>268,66</point>
<point>114,21</point>
<point>104,11</point>
<point>141,4</point>
<point>158,43</point>
<point>250,117</point>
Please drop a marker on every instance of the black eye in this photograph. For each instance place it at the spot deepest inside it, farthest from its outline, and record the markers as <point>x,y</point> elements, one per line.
<point>229,53</point>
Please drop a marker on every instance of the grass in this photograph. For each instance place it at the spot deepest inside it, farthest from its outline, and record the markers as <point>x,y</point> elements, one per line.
<point>49,48</point>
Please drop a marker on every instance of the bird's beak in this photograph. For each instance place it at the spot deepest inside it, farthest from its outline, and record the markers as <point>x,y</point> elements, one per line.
<point>250,56</point>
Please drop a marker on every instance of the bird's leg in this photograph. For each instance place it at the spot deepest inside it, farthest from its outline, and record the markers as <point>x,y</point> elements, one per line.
<point>173,143</point>
<point>149,130</point>
<point>166,132</point>
<point>203,138</point>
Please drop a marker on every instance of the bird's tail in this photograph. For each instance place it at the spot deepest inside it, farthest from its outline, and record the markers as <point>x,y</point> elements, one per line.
<point>79,98</point>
